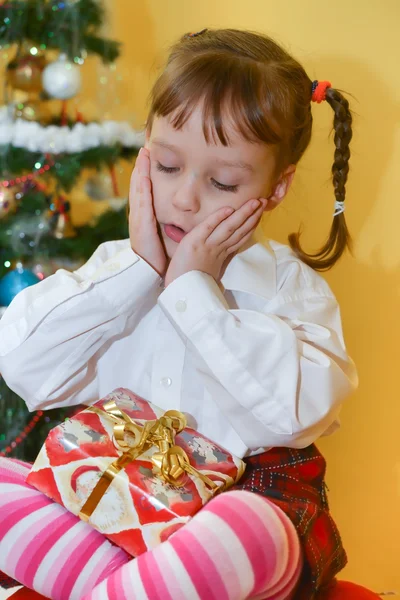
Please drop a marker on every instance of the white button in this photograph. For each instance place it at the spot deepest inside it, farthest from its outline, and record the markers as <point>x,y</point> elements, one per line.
<point>166,382</point>
<point>181,306</point>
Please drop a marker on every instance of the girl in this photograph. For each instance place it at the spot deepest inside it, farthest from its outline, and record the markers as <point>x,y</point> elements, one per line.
<point>192,314</point>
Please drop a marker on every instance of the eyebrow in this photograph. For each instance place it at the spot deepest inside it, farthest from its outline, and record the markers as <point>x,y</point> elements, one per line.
<point>219,161</point>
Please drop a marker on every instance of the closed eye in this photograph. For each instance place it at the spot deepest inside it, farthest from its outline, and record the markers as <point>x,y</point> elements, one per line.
<point>224,188</point>
<point>216,184</point>
<point>161,167</point>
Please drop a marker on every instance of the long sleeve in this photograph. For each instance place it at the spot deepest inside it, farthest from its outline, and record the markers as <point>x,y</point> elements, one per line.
<point>52,333</point>
<point>280,374</point>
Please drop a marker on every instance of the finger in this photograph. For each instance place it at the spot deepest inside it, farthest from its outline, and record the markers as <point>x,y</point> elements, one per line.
<point>229,227</point>
<point>141,207</point>
<point>142,165</point>
<point>141,169</point>
<point>134,174</point>
<point>133,184</point>
<point>239,245</point>
<point>206,228</point>
<point>246,229</point>
<point>142,219</point>
<point>144,162</point>
<point>145,203</point>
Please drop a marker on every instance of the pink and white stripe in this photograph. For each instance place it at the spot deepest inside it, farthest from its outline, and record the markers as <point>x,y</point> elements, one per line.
<point>240,546</point>
<point>44,546</point>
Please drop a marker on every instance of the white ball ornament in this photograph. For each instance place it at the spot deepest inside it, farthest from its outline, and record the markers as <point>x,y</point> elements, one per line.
<point>99,187</point>
<point>62,79</point>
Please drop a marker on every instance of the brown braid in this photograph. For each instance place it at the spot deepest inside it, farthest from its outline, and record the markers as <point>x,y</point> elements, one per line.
<point>339,237</point>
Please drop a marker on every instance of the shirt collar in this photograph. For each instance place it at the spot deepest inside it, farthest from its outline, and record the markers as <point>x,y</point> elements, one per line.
<point>252,270</point>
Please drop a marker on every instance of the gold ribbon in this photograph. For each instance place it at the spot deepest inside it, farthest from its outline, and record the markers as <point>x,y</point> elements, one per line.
<point>133,439</point>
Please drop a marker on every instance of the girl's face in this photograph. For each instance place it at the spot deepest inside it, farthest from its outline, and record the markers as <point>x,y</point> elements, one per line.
<point>191,180</point>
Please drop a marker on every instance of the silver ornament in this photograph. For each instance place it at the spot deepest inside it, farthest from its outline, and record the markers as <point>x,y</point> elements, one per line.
<point>26,233</point>
<point>99,187</point>
<point>62,79</point>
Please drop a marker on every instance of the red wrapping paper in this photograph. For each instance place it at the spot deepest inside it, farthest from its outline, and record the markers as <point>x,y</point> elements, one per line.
<point>139,510</point>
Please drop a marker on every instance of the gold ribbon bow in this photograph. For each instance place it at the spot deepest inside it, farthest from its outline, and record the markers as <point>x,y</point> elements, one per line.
<point>133,439</point>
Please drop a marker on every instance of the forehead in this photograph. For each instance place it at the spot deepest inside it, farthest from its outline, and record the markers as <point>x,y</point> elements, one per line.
<point>197,124</point>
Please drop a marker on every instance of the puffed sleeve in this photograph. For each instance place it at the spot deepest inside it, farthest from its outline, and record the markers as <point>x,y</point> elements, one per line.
<point>279,374</point>
<point>51,332</point>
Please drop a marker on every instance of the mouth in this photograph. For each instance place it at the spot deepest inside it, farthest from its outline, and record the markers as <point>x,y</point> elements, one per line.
<point>175,233</point>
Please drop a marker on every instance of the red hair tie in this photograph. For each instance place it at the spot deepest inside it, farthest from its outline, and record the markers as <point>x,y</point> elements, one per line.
<point>319,90</point>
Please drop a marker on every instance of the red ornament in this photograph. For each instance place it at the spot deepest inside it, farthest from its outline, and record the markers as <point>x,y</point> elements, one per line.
<point>22,435</point>
<point>30,176</point>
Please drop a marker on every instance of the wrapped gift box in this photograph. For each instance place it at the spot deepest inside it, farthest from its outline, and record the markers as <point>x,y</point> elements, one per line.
<point>151,490</point>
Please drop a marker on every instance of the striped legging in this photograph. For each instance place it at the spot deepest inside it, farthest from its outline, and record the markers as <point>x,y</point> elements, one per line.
<point>239,546</point>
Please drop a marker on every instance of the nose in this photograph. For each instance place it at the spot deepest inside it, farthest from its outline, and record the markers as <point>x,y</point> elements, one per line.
<point>186,198</point>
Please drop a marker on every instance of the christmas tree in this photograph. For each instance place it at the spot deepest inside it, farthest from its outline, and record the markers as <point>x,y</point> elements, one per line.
<point>46,148</point>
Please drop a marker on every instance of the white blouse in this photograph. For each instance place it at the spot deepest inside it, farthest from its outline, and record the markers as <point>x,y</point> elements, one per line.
<point>255,362</point>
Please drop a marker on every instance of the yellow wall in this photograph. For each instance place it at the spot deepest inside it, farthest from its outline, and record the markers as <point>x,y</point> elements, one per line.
<point>356,46</point>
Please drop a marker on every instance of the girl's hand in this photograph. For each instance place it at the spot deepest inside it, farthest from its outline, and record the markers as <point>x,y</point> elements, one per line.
<point>143,228</point>
<point>209,245</point>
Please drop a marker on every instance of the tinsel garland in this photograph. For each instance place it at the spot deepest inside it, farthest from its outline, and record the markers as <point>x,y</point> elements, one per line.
<point>56,139</point>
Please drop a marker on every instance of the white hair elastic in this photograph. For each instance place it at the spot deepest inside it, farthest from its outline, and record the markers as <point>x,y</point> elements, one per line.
<point>339,208</point>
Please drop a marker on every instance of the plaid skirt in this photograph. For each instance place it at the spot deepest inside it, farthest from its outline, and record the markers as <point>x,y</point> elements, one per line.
<point>294,481</point>
<point>7,582</point>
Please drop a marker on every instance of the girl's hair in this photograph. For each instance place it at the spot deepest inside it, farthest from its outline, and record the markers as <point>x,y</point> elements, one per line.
<point>268,94</point>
